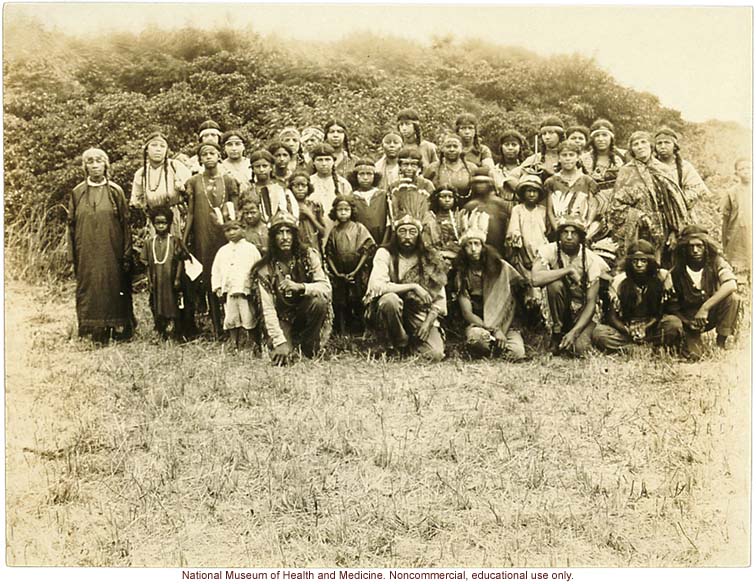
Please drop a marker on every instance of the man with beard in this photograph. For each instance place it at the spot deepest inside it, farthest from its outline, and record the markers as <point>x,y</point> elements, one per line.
<point>699,293</point>
<point>294,294</point>
<point>571,274</point>
<point>486,285</point>
<point>406,293</point>
<point>636,301</point>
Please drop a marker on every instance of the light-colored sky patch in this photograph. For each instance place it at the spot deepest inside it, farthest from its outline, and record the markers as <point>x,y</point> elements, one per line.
<point>696,59</point>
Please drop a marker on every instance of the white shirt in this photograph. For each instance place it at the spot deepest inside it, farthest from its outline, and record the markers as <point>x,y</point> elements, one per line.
<point>695,277</point>
<point>232,267</point>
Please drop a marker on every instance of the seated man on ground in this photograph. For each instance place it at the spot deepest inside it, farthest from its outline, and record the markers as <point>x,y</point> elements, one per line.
<point>570,272</point>
<point>636,302</point>
<point>294,293</point>
<point>406,292</point>
<point>699,293</point>
<point>487,287</point>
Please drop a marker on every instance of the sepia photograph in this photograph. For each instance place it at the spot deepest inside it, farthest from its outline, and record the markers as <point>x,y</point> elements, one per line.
<point>377,291</point>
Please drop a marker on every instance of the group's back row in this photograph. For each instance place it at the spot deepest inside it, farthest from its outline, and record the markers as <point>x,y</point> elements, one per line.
<point>575,180</point>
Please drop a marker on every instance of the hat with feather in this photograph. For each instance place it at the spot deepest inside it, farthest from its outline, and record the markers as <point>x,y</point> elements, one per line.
<point>475,227</point>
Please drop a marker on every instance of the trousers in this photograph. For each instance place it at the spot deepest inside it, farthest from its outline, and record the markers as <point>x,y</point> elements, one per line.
<point>723,317</point>
<point>305,329</point>
<point>400,323</point>
<point>563,320</point>
<point>479,343</point>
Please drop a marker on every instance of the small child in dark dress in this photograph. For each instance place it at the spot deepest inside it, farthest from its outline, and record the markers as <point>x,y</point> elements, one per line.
<point>348,250</point>
<point>164,256</point>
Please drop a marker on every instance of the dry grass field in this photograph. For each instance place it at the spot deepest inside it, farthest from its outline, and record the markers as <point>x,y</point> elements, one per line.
<point>151,454</point>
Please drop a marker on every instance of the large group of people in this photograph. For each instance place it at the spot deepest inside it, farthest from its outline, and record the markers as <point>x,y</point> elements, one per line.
<point>284,244</point>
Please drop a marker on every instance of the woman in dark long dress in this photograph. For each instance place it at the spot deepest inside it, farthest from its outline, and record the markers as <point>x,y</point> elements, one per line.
<point>100,249</point>
<point>212,200</point>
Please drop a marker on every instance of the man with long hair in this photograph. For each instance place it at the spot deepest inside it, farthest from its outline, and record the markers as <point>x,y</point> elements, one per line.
<point>406,292</point>
<point>636,301</point>
<point>699,293</point>
<point>293,293</point>
<point>570,272</point>
<point>487,287</point>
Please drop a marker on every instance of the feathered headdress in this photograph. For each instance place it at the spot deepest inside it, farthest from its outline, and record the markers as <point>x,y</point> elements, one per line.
<point>412,206</point>
<point>475,226</point>
<point>283,219</point>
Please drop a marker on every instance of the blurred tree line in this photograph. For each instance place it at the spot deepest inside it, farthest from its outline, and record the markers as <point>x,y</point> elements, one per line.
<point>63,95</point>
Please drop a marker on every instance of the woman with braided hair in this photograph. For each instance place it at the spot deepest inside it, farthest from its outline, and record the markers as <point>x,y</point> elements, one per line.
<point>160,182</point>
<point>452,168</point>
<point>99,241</point>
<point>667,151</point>
<point>570,272</point>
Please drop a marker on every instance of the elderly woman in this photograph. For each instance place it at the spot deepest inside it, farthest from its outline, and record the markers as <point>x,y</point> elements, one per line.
<point>161,181</point>
<point>647,203</point>
<point>100,249</point>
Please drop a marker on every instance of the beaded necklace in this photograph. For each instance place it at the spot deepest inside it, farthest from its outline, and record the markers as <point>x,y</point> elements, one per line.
<point>210,190</point>
<point>167,249</point>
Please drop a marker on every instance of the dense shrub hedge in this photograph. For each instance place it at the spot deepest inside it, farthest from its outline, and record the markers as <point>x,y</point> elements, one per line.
<point>63,95</point>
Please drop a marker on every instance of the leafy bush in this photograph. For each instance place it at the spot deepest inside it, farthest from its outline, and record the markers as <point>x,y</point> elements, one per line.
<point>112,91</point>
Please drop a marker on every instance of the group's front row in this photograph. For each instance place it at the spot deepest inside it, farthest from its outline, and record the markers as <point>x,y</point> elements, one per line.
<point>286,297</point>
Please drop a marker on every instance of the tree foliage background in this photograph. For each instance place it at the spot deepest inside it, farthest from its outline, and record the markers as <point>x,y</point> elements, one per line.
<point>64,94</point>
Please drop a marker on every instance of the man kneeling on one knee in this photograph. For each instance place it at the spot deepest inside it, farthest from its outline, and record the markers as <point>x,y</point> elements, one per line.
<point>406,292</point>
<point>700,292</point>
<point>486,285</point>
<point>570,272</point>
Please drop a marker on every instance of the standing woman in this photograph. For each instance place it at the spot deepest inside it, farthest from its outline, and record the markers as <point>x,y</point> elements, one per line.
<point>602,162</point>
<point>161,181</point>
<point>647,202</point>
<point>100,249</point>
<point>337,138</point>
<point>473,151</point>
<point>408,124</point>
<point>452,169</point>
<point>235,163</point>
<point>212,200</point>
<point>667,151</point>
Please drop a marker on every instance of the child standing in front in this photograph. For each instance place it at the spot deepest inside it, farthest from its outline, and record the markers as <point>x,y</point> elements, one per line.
<point>526,233</point>
<point>444,203</point>
<point>371,201</point>
<point>164,255</point>
<point>347,251</point>
<point>272,196</point>
<point>311,224</point>
<point>231,280</point>
<point>255,230</point>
